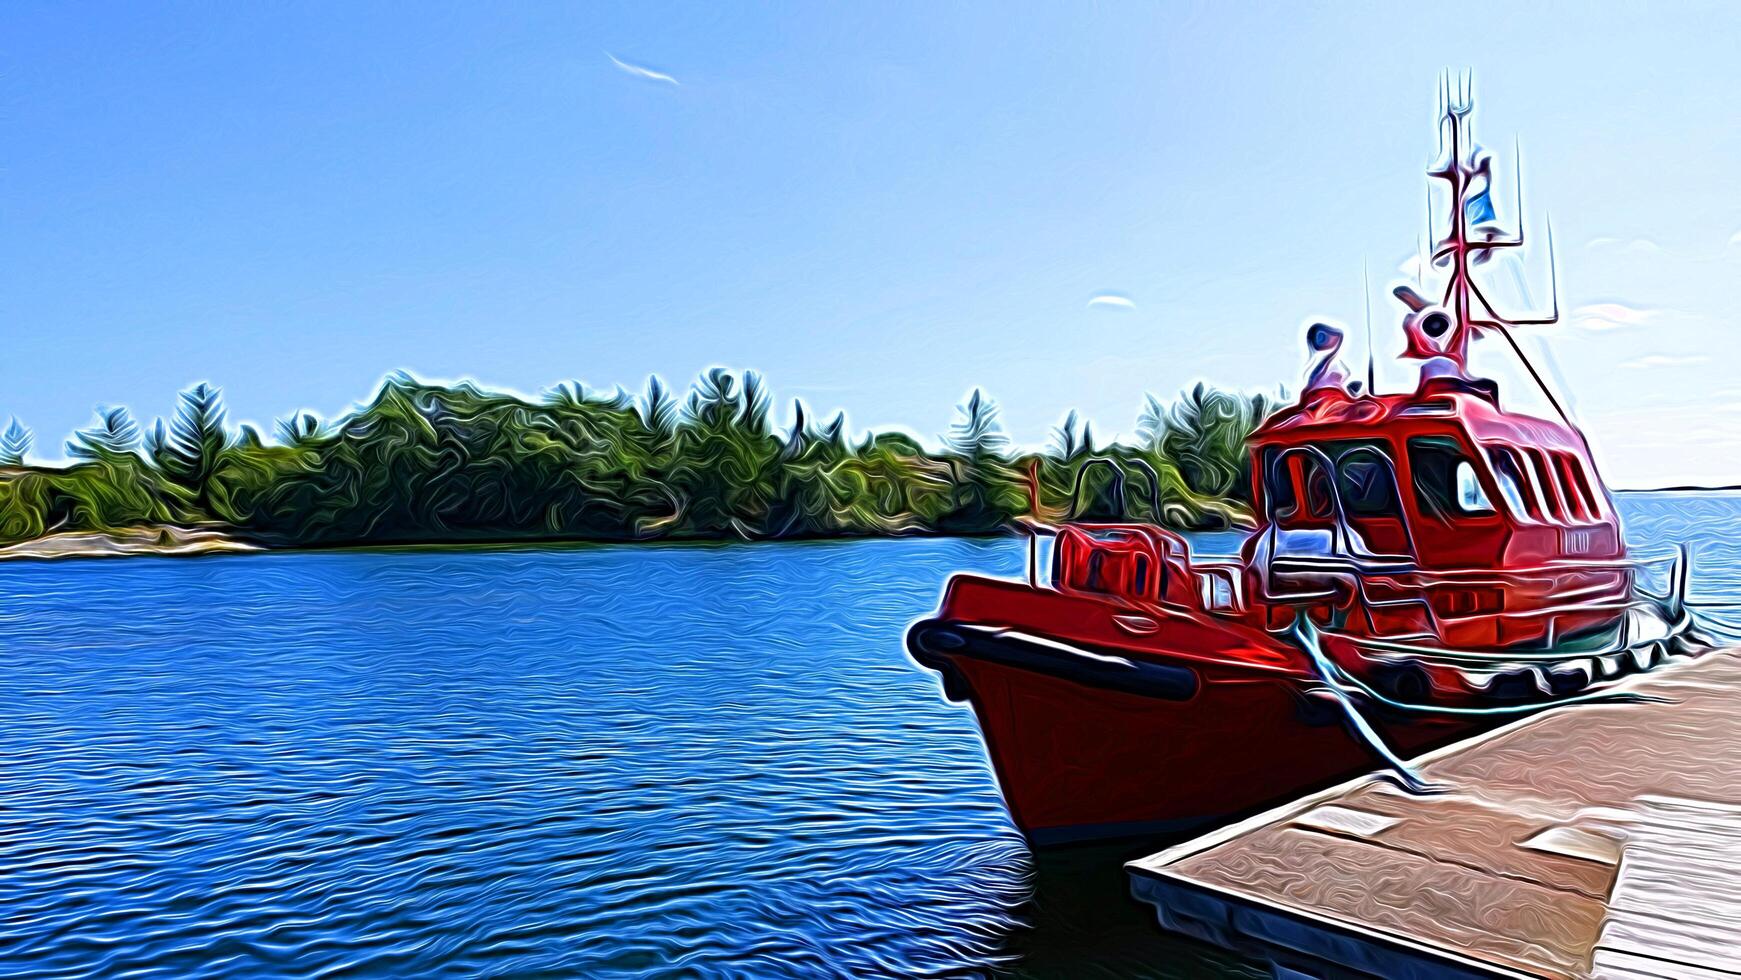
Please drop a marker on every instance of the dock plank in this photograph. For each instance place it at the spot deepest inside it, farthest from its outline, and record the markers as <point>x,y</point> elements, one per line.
<point>1414,895</point>
<point>1593,841</point>
<point>1678,894</point>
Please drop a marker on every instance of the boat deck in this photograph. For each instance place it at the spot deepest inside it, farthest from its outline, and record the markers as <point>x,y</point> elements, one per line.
<point>1599,840</point>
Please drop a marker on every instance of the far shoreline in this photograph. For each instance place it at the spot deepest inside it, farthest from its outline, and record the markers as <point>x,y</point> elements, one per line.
<point>200,543</point>
<point>174,541</point>
<point>1686,489</point>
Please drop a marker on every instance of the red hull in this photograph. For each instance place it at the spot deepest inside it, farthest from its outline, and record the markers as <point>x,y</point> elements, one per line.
<point>1076,762</point>
<point>1092,755</point>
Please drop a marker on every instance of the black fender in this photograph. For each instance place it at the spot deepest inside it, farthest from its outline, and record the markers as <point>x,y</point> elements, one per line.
<point>935,643</point>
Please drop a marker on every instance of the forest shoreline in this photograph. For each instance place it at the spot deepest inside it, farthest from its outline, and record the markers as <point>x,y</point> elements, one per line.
<point>442,463</point>
<point>176,541</point>
<point>148,541</point>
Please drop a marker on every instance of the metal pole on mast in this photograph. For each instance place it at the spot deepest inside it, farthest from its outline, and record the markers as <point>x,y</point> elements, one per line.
<point>1366,295</point>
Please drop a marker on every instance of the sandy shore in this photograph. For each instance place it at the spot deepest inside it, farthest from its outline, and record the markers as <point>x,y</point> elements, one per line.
<point>128,541</point>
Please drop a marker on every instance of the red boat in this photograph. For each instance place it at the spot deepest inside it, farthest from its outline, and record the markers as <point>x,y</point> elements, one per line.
<point>1425,564</point>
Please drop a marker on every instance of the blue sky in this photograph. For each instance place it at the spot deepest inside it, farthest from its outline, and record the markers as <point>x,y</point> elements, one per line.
<point>879,208</point>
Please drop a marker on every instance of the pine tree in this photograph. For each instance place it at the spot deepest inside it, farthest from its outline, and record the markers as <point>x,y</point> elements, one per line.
<point>197,442</point>
<point>114,437</point>
<point>300,431</point>
<point>14,444</point>
<point>977,434</point>
<point>985,492</point>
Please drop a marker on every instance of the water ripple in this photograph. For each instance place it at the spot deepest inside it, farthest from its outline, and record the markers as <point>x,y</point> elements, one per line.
<point>624,761</point>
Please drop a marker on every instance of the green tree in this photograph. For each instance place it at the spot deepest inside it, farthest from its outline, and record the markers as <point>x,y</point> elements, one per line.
<point>1205,434</point>
<point>821,486</point>
<point>300,431</point>
<point>15,444</point>
<point>193,455</point>
<point>726,456</point>
<point>111,487</point>
<point>987,492</point>
<point>114,436</point>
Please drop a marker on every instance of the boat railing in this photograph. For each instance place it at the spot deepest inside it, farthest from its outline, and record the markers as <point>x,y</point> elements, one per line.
<point>1623,640</point>
<point>1221,582</point>
<point>1677,583</point>
<point>1670,606</point>
<point>1358,572</point>
<point>1036,529</point>
<point>1671,602</point>
<point>1220,586</point>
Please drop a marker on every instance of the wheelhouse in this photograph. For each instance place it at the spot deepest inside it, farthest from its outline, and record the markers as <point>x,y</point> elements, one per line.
<point>1440,480</point>
<point>1434,514</point>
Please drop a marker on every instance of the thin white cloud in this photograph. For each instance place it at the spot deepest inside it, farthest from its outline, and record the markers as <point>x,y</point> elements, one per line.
<point>1735,239</point>
<point>1634,245</point>
<point>1116,301</point>
<point>1611,316</point>
<point>639,72</point>
<point>1666,360</point>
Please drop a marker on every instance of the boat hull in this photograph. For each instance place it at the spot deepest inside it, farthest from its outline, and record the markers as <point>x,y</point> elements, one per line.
<point>1091,743</point>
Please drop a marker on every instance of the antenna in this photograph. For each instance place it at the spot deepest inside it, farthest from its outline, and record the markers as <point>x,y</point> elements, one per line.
<point>1421,269</point>
<point>1517,181</point>
<point>1366,294</point>
<point>1463,294</point>
<point>1553,287</point>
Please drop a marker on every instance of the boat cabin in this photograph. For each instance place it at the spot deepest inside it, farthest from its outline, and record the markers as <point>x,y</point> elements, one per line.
<point>1442,479</point>
<point>1435,514</point>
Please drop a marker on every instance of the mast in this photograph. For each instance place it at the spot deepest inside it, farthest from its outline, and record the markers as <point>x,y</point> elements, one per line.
<point>1471,313</point>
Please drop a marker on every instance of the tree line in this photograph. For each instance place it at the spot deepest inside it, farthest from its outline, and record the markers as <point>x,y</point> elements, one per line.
<point>447,463</point>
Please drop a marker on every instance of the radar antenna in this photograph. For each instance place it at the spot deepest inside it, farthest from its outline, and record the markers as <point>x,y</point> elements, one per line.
<point>1472,314</point>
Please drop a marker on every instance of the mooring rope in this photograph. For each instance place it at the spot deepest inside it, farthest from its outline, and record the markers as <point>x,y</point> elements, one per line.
<point>1340,683</point>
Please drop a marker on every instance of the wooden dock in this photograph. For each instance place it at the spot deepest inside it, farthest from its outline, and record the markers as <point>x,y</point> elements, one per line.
<point>1599,840</point>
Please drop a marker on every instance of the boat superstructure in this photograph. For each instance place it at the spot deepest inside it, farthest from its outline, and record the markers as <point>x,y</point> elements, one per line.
<point>1425,563</point>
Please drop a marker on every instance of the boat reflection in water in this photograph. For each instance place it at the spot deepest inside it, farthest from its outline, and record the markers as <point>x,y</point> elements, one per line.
<point>1426,564</point>
<point>1080,922</point>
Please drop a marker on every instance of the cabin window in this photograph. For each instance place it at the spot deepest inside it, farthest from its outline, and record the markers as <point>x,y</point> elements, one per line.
<point>1279,483</point>
<point>1590,495</point>
<point>1362,480</point>
<point>1550,495</point>
<point>1513,484</point>
<point>1096,562</point>
<point>1320,495</point>
<point>1368,488</point>
<point>1445,479</point>
<point>1575,508</point>
<point>1140,580</point>
<point>1470,497</point>
<point>1580,485</point>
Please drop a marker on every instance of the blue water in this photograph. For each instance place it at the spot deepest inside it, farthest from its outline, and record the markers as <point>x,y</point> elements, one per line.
<point>589,761</point>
